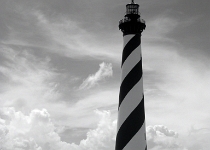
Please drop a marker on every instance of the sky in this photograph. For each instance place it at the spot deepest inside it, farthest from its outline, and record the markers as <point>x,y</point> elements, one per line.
<point>60,73</point>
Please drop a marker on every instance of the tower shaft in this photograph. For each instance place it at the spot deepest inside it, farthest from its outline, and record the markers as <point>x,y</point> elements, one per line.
<point>131,134</point>
<point>131,116</point>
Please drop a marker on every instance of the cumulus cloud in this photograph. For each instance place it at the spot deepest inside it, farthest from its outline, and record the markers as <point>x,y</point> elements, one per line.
<point>103,137</point>
<point>159,137</point>
<point>32,132</point>
<point>36,131</point>
<point>104,71</point>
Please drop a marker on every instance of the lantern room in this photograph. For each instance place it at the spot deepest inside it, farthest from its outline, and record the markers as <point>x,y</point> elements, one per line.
<point>132,8</point>
<point>132,22</point>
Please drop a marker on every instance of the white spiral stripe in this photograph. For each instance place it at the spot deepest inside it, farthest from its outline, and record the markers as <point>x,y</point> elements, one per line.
<point>130,62</point>
<point>138,142</point>
<point>127,38</point>
<point>130,102</point>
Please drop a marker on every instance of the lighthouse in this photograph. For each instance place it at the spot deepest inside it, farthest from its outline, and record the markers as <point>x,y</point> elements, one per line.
<point>131,133</point>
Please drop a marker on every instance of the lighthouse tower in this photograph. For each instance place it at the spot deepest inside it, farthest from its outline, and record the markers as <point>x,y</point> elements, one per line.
<point>131,117</point>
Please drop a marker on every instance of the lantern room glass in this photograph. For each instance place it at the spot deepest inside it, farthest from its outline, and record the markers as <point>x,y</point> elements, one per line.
<point>132,9</point>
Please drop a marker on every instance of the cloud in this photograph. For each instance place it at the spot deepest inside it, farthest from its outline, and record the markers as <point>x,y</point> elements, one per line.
<point>36,131</point>
<point>179,86</point>
<point>29,81</point>
<point>159,137</point>
<point>159,27</point>
<point>104,71</point>
<point>58,33</point>
<point>105,99</point>
<point>26,78</point>
<point>32,132</point>
<point>103,137</point>
<point>198,139</point>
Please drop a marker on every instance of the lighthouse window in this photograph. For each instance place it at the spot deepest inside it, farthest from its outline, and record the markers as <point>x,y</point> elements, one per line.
<point>132,9</point>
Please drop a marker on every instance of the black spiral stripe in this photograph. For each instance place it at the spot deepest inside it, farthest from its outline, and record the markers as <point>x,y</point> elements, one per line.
<point>130,80</point>
<point>130,47</point>
<point>132,127</point>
